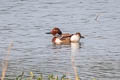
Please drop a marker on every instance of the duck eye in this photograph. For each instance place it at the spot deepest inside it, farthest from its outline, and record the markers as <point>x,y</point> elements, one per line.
<point>54,30</point>
<point>57,35</point>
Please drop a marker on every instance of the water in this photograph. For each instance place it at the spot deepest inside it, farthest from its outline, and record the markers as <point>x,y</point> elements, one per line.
<point>24,22</point>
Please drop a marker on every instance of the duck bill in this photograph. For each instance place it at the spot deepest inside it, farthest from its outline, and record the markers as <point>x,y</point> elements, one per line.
<point>48,32</point>
<point>82,36</point>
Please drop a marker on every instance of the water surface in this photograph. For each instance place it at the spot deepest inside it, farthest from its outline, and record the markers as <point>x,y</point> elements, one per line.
<point>24,22</point>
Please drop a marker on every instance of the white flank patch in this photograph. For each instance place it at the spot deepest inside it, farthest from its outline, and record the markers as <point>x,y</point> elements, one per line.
<point>75,38</point>
<point>58,41</point>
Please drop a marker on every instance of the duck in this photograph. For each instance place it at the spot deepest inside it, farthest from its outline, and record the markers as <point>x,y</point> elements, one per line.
<point>64,38</point>
<point>76,37</point>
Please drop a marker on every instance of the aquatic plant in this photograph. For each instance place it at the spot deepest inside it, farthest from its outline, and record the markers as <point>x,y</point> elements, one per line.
<point>40,77</point>
<point>5,63</point>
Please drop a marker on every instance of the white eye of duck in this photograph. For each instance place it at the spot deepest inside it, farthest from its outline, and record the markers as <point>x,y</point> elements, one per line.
<point>57,35</point>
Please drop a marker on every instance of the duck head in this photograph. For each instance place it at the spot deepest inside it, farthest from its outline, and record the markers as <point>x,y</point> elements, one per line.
<point>55,31</point>
<point>79,34</point>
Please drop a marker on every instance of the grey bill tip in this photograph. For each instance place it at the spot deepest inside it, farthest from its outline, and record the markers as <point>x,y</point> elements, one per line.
<point>48,32</point>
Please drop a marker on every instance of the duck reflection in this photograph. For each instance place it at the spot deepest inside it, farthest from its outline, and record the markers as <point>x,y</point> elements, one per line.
<point>74,49</point>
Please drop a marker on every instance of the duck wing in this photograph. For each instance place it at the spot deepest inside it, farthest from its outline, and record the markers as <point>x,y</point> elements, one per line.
<point>66,35</point>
